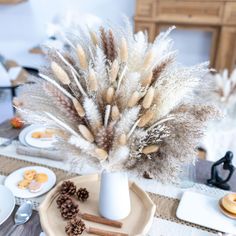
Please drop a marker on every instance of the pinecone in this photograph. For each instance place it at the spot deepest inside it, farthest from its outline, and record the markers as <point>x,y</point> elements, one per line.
<point>68,188</point>
<point>82,194</point>
<point>62,198</point>
<point>105,137</point>
<point>69,209</point>
<point>75,227</point>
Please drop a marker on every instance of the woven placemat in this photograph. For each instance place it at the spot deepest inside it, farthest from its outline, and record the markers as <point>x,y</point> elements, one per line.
<point>165,206</point>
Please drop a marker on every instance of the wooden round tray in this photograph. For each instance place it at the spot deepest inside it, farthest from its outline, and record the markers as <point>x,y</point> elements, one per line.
<point>138,222</point>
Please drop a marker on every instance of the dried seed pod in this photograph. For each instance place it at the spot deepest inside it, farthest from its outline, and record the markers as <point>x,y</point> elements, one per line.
<point>146,118</point>
<point>147,101</point>
<point>122,140</point>
<point>92,81</point>
<point>150,149</point>
<point>148,59</point>
<point>110,94</point>
<point>123,50</point>
<point>94,37</point>
<point>115,113</point>
<point>134,99</point>
<point>82,194</point>
<point>68,187</point>
<point>69,209</point>
<point>102,154</point>
<point>62,198</point>
<point>60,73</point>
<point>75,227</point>
<point>78,107</point>
<point>86,133</point>
<point>114,71</point>
<point>147,79</point>
<point>82,57</point>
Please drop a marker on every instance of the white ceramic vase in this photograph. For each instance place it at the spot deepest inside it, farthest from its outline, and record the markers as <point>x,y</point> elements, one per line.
<point>114,198</point>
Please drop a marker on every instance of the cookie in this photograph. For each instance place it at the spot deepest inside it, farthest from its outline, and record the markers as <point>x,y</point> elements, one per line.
<point>41,178</point>
<point>36,134</point>
<point>23,184</point>
<point>34,187</point>
<point>29,174</point>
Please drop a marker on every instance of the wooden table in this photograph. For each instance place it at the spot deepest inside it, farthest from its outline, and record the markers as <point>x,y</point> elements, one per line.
<point>33,228</point>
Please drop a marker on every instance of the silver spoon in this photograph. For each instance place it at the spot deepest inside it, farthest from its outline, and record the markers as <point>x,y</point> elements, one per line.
<point>22,215</point>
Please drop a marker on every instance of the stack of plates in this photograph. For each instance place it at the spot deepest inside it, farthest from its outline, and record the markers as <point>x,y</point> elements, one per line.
<point>26,139</point>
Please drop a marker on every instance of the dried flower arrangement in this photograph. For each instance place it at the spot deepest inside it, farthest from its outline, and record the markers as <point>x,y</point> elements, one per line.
<point>122,101</point>
<point>224,88</point>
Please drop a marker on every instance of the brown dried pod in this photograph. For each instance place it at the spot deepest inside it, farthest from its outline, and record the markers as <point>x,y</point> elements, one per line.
<point>123,50</point>
<point>86,133</point>
<point>78,107</point>
<point>69,209</point>
<point>148,99</point>
<point>104,137</point>
<point>82,57</point>
<point>101,153</point>
<point>92,81</point>
<point>68,187</point>
<point>62,198</point>
<point>110,94</point>
<point>147,79</point>
<point>75,227</point>
<point>60,73</point>
<point>134,99</point>
<point>115,113</point>
<point>122,140</point>
<point>150,149</point>
<point>114,71</point>
<point>94,37</point>
<point>148,59</point>
<point>146,118</point>
<point>82,194</point>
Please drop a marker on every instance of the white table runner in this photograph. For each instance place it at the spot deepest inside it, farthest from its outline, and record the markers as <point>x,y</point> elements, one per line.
<point>160,227</point>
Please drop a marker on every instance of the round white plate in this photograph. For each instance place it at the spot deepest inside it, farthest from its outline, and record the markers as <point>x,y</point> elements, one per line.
<point>7,203</point>
<point>12,180</point>
<point>24,132</point>
<point>38,143</point>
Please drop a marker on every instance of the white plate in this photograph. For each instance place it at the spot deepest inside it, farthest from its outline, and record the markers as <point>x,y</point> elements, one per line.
<point>12,180</point>
<point>204,210</point>
<point>24,132</point>
<point>38,143</point>
<point>7,203</point>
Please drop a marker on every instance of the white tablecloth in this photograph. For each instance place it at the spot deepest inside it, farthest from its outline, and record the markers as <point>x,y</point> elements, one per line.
<point>160,227</point>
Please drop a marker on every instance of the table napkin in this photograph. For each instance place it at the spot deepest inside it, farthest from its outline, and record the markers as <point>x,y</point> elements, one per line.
<point>37,152</point>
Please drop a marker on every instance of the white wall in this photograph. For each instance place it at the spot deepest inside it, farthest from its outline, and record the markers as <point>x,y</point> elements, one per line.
<point>23,26</point>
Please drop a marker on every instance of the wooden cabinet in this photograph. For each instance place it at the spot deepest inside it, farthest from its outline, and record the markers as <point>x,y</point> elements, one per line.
<point>217,17</point>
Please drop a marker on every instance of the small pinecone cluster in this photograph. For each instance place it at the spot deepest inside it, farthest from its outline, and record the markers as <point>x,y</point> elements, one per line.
<point>82,194</point>
<point>75,227</point>
<point>67,207</point>
<point>68,188</point>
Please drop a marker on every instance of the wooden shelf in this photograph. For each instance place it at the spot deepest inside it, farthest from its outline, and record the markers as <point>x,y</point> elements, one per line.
<point>11,1</point>
<point>217,16</point>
